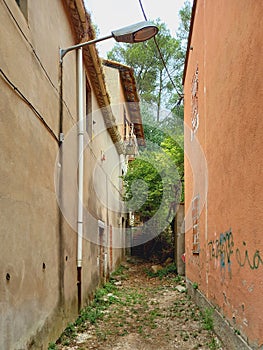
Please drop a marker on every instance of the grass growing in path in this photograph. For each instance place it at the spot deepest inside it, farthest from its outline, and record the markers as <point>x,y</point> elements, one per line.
<point>151,310</point>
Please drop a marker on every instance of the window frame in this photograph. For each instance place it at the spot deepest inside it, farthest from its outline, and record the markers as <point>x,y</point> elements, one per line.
<point>196,224</point>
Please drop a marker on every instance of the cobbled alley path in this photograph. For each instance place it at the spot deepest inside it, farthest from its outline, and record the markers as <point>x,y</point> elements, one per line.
<point>141,310</point>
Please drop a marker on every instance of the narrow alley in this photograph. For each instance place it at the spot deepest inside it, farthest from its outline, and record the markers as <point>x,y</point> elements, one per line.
<point>141,309</point>
<point>131,128</point>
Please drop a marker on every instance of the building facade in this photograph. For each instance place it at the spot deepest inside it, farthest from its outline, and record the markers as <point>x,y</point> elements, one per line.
<point>223,165</point>
<point>54,254</point>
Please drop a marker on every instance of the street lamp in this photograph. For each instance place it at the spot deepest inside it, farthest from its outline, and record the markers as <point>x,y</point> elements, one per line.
<point>135,33</point>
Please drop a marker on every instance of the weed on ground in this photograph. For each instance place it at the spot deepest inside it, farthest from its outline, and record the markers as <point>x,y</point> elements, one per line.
<point>140,310</point>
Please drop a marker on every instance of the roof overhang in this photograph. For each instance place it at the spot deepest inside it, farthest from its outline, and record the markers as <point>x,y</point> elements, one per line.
<point>189,40</point>
<point>84,31</point>
<point>131,97</point>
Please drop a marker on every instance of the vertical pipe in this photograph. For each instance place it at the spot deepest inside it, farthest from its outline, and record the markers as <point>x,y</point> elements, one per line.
<point>79,287</point>
<point>80,167</point>
<point>60,192</point>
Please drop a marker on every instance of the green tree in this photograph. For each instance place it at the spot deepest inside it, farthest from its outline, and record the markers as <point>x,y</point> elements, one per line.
<point>151,77</point>
<point>174,149</point>
<point>154,180</point>
<point>152,183</point>
<point>184,25</point>
<point>153,82</point>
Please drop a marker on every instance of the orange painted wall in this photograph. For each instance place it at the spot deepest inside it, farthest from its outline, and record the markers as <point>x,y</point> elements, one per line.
<point>227,50</point>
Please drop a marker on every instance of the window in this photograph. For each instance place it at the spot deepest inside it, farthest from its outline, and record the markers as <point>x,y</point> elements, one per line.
<point>194,103</point>
<point>102,253</point>
<point>111,255</point>
<point>23,6</point>
<point>196,229</point>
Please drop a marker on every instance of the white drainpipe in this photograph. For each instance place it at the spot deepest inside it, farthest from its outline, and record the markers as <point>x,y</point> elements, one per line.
<point>80,154</point>
<point>80,168</point>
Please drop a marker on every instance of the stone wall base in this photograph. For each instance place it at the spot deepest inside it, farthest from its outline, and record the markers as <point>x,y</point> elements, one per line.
<point>222,328</point>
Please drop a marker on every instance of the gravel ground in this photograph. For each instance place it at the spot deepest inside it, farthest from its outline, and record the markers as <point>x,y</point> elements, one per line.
<point>141,311</point>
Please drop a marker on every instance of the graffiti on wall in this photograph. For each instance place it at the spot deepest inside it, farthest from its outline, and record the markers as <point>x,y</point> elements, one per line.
<point>222,248</point>
<point>253,261</point>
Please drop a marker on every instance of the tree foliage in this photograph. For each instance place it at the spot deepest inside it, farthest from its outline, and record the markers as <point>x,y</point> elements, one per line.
<point>154,180</point>
<point>153,83</point>
<point>151,77</point>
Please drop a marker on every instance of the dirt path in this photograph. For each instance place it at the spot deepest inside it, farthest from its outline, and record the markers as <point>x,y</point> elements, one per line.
<point>138,311</point>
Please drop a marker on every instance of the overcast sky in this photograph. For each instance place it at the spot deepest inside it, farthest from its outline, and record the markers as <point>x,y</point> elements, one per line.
<point>114,14</point>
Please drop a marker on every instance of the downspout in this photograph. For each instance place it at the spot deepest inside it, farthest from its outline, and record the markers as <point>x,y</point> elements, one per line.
<point>60,191</point>
<point>80,170</point>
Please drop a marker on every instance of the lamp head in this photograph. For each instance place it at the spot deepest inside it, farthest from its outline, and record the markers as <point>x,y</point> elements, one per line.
<point>135,33</point>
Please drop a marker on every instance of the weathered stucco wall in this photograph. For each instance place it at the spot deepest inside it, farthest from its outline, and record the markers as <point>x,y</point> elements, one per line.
<point>117,237</point>
<point>38,288</point>
<point>32,284</point>
<point>226,61</point>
